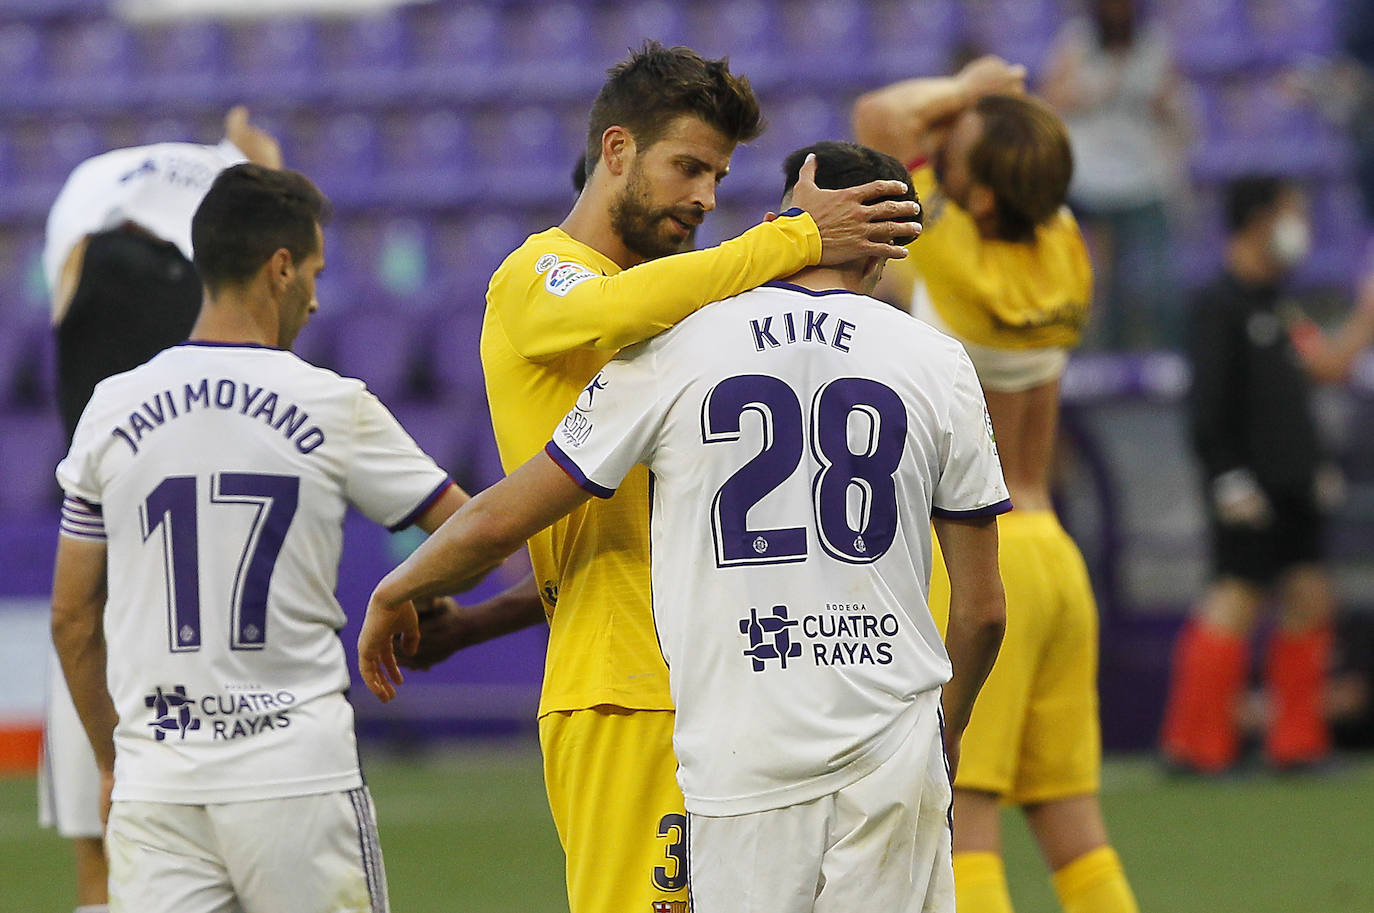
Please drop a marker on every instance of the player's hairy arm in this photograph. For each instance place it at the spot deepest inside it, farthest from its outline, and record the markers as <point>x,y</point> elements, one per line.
<point>478,537</point>
<point>78,607</point>
<point>612,312</point>
<point>977,617</point>
<point>447,626</point>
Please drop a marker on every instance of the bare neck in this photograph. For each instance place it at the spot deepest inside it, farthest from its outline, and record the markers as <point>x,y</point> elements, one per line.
<point>825,278</point>
<point>242,314</point>
<point>590,222</point>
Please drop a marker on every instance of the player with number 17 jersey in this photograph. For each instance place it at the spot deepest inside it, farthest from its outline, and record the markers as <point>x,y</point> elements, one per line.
<point>799,442</point>
<point>219,475</point>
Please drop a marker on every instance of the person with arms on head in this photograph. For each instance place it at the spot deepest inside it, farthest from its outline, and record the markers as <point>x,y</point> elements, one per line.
<point>193,606</point>
<point>117,260</point>
<point>801,436</point>
<point>1254,358</point>
<point>1002,267</point>
<point>660,138</point>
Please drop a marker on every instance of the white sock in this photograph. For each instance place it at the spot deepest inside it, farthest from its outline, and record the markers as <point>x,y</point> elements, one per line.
<point>93,908</point>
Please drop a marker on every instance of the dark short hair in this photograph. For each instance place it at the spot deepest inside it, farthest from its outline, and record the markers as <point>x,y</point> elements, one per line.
<point>645,92</point>
<point>1023,157</point>
<point>1250,197</point>
<point>249,213</point>
<point>841,165</point>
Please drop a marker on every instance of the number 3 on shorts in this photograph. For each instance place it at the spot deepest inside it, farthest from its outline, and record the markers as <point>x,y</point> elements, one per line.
<point>673,876</point>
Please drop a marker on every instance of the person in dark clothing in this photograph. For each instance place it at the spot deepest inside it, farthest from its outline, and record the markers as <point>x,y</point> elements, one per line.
<point>1254,359</point>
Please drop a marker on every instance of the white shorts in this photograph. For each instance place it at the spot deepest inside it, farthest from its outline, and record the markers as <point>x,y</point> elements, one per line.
<point>302,854</point>
<point>882,843</point>
<point>68,779</point>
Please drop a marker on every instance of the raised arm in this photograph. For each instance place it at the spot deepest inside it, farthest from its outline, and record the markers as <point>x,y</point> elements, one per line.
<point>905,119</point>
<point>977,618</point>
<point>612,312</point>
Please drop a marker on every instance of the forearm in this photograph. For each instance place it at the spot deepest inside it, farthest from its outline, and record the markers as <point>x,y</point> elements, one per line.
<point>513,609</point>
<point>457,554</point>
<point>613,312</point>
<point>973,639</point>
<point>81,649</point>
<point>898,118</point>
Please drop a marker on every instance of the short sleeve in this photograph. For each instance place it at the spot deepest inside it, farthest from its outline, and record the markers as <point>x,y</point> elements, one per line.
<point>78,472</point>
<point>971,483</point>
<point>615,423</point>
<point>389,478</point>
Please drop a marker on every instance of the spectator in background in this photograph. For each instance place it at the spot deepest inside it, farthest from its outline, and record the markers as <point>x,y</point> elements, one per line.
<point>117,259</point>
<point>1254,358</point>
<point>1113,79</point>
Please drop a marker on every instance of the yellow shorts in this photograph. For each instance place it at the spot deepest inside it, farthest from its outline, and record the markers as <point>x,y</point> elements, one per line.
<point>612,783</point>
<point>1034,735</point>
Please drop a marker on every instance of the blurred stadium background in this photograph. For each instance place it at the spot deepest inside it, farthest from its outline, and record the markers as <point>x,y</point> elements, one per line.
<point>445,132</point>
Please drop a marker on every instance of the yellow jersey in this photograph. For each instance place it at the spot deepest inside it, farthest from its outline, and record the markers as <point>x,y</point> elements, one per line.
<point>1000,294</point>
<point>557,312</point>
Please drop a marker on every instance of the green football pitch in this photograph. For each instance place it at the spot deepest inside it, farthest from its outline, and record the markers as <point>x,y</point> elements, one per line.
<point>467,829</point>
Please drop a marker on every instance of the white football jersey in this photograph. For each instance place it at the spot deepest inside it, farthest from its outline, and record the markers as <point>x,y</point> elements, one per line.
<point>219,476</point>
<point>157,187</point>
<point>799,444</point>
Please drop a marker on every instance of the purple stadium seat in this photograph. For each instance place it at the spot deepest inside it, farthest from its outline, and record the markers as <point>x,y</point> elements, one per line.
<point>426,158</point>
<point>1211,37</point>
<point>378,344</point>
<point>340,154</point>
<point>31,445</point>
<point>91,63</point>
<point>526,152</point>
<point>1019,30</point>
<point>820,38</point>
<point>626,25</point>
<point>365,56</point>
<point>1253,124</point>
<point>746,32</point>
<point>183,62</point>
<point>457,51</point>
<point>23,56</point>
<point>454,347</point>
<point>549,52</point>
<point>351,246</point>
<point>911,38</point>
<point>1288,30</point>
<point>275,58</point>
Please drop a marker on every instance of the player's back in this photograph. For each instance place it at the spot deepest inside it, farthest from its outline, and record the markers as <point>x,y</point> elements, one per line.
<point>799,444</point>
<point>223,473</point>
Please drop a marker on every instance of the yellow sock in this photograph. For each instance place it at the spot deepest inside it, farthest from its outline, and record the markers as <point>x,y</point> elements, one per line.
<point>980,884</point>
<point>1094,883</point>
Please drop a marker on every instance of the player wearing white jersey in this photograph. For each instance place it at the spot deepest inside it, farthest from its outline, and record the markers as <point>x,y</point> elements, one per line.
<point>801,437</point>
<point>117,260</point>
<point>193,604</point>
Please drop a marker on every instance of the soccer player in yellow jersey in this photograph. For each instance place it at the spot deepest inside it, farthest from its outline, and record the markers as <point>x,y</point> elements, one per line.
<point>660,138</point>
<point>1002,266</point>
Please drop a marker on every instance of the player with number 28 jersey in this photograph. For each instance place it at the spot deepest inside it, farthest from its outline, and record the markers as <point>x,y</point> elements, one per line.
<point>801,634</point>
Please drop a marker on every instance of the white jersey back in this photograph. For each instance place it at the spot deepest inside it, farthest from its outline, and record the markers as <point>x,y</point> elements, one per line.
<point>799,443</point>
<point>222,474</point>
<point>157,187</point>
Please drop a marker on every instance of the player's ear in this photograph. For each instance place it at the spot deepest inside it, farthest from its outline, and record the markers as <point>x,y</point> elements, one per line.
<point>281,266</point>
<point>617,149</point>
<point>982,202</point>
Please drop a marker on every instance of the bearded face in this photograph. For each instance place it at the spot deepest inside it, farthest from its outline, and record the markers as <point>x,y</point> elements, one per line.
<point>649,228</point>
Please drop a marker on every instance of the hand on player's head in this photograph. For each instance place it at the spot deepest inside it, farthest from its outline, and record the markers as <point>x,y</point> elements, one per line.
<point>377,663</point>
<point>852,229</point>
